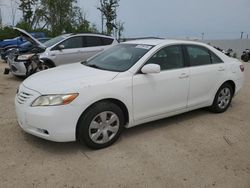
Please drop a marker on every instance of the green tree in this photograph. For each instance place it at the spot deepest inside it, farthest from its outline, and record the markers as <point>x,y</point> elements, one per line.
<point>26,6</point>
<point>63,16</point>
<point>7,32</point>
<point>108,11</point>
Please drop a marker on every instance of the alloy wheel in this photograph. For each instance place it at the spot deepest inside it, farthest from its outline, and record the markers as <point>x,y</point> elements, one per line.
<point>224,98</point>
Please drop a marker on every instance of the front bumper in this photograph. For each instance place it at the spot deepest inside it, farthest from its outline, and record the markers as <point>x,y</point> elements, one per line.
<point>55,123</point>
<point>17,68</point>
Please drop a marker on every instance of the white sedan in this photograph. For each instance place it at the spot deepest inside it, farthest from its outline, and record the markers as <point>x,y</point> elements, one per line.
<point>127,85</point>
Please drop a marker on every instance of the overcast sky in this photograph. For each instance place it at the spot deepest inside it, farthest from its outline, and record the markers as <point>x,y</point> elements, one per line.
<point>218,19</point>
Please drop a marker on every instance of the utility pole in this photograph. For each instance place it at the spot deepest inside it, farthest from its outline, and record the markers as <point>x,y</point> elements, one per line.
<point>241,34</point>
<point>202,36</point>
<point>102,16</point>
<point>13,4</point>
<point>1,20</point>
<point>115,22</point>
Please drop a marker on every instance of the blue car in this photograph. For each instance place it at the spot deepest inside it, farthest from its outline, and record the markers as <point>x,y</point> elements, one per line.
<point>19,40</point>
<point>9,42</point>
<point>23,48</point>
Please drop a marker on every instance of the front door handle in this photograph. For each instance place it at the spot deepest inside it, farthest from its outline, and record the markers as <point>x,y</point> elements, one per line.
<point>221,69</point>
<point>183,75</point>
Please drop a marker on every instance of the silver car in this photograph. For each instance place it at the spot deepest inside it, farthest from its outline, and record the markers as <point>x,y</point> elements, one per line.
<point>64,49</point>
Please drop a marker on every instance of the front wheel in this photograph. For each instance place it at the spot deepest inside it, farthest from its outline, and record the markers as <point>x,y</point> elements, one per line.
<point>101,125</point>
<point>43,66</point>
<point>222,99</point>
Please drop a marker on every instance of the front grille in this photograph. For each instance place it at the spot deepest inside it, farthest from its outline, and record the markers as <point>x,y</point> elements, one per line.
<point>22,97</point>
<point>13,68</point>
<point>12,56</point>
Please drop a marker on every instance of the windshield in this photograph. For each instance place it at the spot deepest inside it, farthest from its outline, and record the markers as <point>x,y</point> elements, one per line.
<point>55,40</point>
<point>119,58</point>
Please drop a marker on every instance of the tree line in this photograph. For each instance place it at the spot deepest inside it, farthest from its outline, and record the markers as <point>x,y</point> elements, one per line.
<point>55,17</point>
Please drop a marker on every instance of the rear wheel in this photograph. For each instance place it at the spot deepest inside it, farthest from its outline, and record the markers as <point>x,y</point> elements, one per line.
<point>101,125</point>
<point>244,58</point>
<point>222,99</point>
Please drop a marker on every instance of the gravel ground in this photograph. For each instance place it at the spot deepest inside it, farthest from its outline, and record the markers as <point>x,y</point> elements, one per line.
<point>195,149</point>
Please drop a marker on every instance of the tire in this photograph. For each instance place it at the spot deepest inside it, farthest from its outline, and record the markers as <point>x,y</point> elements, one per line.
<point>95,127</point>
<point>44,66</point>
<point>222,99</point>
<point>244,58</point>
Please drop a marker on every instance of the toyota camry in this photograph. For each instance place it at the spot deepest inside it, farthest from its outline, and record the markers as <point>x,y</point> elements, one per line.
<point>126,85</point>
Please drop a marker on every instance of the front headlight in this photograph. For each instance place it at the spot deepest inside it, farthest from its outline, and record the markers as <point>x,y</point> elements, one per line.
<point>54,100</point>
<point>24,57</point>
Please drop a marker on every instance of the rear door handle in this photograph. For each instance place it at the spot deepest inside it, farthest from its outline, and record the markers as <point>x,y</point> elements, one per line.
<point>183,75</point>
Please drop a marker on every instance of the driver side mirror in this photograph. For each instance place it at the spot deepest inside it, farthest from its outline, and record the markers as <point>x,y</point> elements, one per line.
<point>61,47</point>
<point>151,69</point>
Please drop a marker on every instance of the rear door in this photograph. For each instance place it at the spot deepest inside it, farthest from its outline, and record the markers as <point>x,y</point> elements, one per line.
<point>207,71</point>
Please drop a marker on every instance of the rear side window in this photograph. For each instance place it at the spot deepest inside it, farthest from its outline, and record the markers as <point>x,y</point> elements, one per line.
<point>198,56</point>
<point>107,41</point>
<point>93,41</point>
<point>215,59</point>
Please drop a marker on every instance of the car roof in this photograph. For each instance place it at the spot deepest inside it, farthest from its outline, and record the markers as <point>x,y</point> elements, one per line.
<point>156,42</point>
<point>90,34</point>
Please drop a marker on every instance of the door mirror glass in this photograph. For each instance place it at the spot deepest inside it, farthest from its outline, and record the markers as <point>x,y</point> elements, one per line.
<point>151,69</point>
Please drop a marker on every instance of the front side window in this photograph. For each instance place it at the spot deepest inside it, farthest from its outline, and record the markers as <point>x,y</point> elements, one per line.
<point>198,56</point>
<point>170,57</point>
<point>73,42</point>
<point>55,40</point>
<point>119,58</point>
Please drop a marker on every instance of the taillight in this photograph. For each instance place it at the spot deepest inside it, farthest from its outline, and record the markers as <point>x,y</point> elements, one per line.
<point>242,68</point>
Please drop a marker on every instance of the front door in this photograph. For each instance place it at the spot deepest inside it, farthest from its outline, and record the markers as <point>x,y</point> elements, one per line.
<point>71,53</point>
<point>164,92</point>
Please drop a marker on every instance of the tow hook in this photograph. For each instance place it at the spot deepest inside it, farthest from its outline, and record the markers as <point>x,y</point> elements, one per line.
<point>6,71</point>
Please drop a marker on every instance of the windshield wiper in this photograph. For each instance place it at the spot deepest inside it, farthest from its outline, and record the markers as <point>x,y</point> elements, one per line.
<point>83,62</point>
<point>92,65</point>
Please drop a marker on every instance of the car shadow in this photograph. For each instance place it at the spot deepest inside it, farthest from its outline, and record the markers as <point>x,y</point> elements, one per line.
<point>75,147</point>
<point>54,147</point>
<point>11,77</point>
<point>165,122</point>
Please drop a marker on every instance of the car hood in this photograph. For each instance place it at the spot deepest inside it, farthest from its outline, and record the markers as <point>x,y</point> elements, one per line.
<point>67,78</point>
<point>29,37</point>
